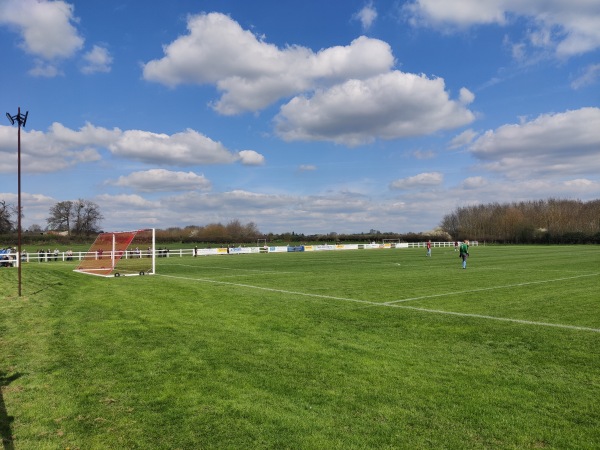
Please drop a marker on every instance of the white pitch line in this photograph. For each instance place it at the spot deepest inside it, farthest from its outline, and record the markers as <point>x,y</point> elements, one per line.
<point>393,305</point>
<point>503,319</point>
<point>230,268</point>
<point>507,286</point>
<point>280,291</point>
<point>235,275</point>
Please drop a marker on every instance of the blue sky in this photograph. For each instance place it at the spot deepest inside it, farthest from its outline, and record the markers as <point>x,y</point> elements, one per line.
<point>312,116</point>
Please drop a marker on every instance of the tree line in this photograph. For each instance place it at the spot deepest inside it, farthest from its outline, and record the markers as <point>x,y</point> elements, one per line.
<point>214,233</point>
<point>542,221</point>
<point>551,221</point>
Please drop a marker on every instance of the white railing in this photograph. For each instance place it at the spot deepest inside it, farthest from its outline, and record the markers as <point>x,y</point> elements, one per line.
<point>44,257</point>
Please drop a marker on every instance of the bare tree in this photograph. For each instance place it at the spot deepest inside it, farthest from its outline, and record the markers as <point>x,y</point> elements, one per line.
<point>450,224</point>
<point>551,220</point>
<point>251,232</point>
<point>80,217</point>
<point>35,228</point>
<point>6,213</point>
<point>234,231</point>
<point>86,217</point>
<point>60,216</point>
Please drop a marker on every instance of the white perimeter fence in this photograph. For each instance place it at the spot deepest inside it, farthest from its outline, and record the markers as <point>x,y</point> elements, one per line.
<point>11,258</point>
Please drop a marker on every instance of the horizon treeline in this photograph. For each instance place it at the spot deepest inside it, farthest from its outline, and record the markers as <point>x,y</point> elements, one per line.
<point>551,221</point>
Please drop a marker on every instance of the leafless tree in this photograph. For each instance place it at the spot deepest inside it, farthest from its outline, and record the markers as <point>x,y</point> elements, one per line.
<point>87,217</point>
<point>60,216</point>
<point>542,220</point>
<point>6,217</point>
<point>81,217</point>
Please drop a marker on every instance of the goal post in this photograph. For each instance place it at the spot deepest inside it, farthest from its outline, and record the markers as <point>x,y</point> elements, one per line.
<point>392,243</point>
<point>121,253</point>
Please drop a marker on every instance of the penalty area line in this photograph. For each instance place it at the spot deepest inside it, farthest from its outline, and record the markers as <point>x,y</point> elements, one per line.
<point>229,268</point>
<point>502,319</point>
<point>390,304</point>
<point>279,291</point>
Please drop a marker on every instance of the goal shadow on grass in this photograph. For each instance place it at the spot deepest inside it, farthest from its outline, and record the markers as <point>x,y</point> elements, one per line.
<point>5,419</point>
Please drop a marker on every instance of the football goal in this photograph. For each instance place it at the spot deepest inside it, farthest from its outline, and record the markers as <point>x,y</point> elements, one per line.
<point>121,253</point>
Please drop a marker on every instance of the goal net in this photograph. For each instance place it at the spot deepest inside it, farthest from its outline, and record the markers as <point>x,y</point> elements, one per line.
<point>120,253</point>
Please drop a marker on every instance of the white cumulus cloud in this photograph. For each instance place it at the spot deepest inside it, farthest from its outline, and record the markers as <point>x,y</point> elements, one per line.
<point>61,147</point>
<point>589,76</point>
<point>251,73</point>
<point>429,179</point>
<point>180,149</point>
<point>566,27</point>
<point>474,183</point>
<point>563,144</point>
<point>464,138</point>
<point>388,106</point>
<point>46,28</point>
<point>98,59</point>
<point>366,16</point>
<point>251,158</point>
<point>162,180</point>
<point>57,149</point>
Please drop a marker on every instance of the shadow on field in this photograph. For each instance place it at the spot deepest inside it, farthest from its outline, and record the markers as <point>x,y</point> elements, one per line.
<point>5,419</point>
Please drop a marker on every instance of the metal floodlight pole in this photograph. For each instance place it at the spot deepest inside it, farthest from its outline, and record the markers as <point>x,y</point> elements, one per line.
<point>21,120</point>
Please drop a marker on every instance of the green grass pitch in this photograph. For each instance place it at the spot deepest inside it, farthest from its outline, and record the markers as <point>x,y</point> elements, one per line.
<point>319,350</point>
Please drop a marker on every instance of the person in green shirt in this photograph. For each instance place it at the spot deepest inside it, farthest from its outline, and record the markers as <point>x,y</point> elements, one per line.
<point>463,252</point>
